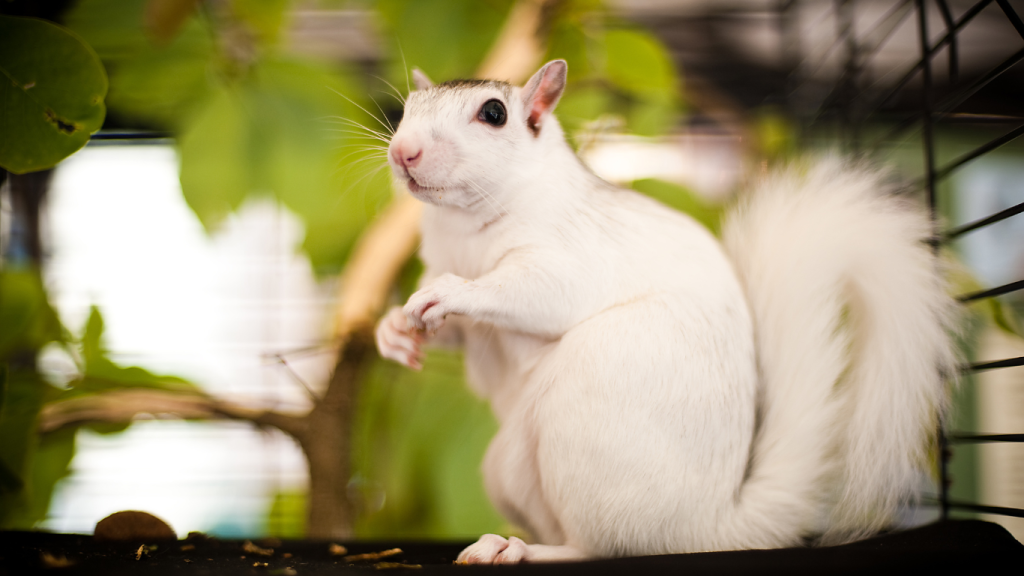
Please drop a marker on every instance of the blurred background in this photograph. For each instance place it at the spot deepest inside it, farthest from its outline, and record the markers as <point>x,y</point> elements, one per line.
<point>173,290</point>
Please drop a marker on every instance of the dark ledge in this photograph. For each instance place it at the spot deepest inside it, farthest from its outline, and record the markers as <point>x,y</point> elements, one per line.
<point>966,546</point>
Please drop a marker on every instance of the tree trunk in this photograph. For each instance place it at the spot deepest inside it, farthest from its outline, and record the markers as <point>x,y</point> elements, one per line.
<point>326,438</point>
<point>27,193</point>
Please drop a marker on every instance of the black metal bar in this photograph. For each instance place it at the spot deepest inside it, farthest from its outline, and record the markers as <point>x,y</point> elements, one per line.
<point>870,45</point>
<point>984,148</point>
<point>928,145</point>
<point>962,117</point>
<point>954,58</point>
<point>957,99</point>
<point>997,291</point>
<point>926,105</point>
<point>967,17</point>
<point>961,438</point>
<point>1003,215</point>
<point>1012,16</point>
<point>1000,510</point>
<point>944,478</point>
<point>130,135</point>
<point>969,118</point>
<point>848,81</point>
<point>1008,363</point>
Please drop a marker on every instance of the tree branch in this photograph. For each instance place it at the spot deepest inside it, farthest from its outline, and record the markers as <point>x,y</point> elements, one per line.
<point>117,406</point>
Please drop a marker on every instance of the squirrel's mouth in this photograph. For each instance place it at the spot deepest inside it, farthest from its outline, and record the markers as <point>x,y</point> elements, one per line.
<point>416,188</point>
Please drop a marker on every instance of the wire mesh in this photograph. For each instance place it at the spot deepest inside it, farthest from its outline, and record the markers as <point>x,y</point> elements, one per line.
<point>938,102</point>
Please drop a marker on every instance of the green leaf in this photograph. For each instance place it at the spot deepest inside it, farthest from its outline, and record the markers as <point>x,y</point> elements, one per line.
<point>418,443</point>
<point>157,85</point>
<point>3,386</point>
<point>993,310</point>
<point>164,18</point>
<point>265,17</point>
<point>10,480</point>
<point>652,115</point>
<point>287,515</point>
<point>23,400</point>
<point>50,462</point>
<point>99,374</point>
<point>92,344</point>
<point>445,38</point>
<point>27,322</point>
<point>114,28</point>
<point>678,197</point>
<point>284,132</point>
<point>776,136</point>
<point>638,63</point>
<point>580,105</point>
<point>52,87</point>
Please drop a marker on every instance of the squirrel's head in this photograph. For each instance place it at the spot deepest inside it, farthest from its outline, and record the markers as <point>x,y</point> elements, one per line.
<point>460,140</point>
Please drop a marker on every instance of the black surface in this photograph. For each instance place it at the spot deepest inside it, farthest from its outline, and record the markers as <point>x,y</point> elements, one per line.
<point>968,547</point>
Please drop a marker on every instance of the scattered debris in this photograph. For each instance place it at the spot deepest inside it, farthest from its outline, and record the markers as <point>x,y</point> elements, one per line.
<point>251,548</point>
<point>337,550</point>
<point>140,552</point>
<point>373,555</point>
<point>289,555</point>
<point>396,565</point>
<point>260,564</point>
<point>188,561</point>
<point>187,547</point>
<point>283,572</point>
<point>51,561</point>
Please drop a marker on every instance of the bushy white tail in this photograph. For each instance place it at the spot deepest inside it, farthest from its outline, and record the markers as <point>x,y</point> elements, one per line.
<point>852,325</point>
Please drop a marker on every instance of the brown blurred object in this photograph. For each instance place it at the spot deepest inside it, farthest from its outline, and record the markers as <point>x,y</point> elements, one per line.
<point>163,19</point>
<point>132,526</point>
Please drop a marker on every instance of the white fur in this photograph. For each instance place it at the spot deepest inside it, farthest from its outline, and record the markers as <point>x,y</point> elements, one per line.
<point>656,392</point>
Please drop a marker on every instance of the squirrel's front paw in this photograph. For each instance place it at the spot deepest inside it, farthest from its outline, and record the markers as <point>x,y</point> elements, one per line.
<point>427,308</point>
<point>397,341</point>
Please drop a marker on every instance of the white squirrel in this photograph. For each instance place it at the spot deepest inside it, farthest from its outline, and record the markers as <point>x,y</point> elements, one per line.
<point>656,392</point>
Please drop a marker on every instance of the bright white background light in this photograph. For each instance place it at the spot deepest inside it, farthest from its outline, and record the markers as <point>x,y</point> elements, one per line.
<point>178,301</point>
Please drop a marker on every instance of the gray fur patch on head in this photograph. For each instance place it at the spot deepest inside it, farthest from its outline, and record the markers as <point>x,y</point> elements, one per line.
<point>505,87</point>
<point>450,87</point>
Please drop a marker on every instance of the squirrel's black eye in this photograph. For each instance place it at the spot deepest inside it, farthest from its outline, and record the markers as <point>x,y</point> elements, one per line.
<point>493,113</point>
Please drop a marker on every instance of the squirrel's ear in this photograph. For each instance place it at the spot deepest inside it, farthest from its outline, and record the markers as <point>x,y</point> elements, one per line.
<point>541,93</point>
<point>420,79</point>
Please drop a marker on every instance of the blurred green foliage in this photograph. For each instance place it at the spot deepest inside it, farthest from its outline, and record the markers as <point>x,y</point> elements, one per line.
<point>51,92</point>
<point>251,120</point>
<point>254,119</point>
<point>447,39</point>
<point>31,463</point>
<point>684,200</point>
<point>287,515</point>
<point>614,69</point>
<point>27,322</point>
<point>418,443</point>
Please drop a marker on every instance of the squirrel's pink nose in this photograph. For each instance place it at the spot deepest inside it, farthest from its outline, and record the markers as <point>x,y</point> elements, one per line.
<point>406,154</point>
